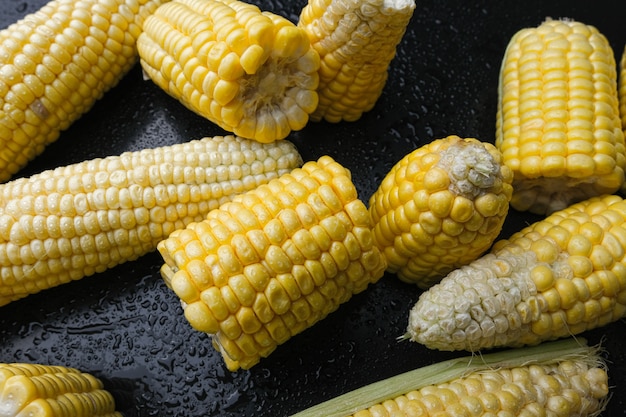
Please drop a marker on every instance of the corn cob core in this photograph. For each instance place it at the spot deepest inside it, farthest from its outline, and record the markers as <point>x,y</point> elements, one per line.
<point>253,73</point>
<point>356,41</point>
<point>558,277</point>
<point>54,65</point>
<point>47,390</point>
<point>274,261</point>
<point>440,207</point>
<point>64,224</point>
<point>558,123</point>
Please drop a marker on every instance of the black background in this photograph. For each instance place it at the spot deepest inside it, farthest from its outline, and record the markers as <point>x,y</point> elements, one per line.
<point>126,327</point>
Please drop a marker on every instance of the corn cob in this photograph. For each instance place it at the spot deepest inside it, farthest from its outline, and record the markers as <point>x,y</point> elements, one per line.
<point>621,92</point>
<point>558,123</point>
<point>273,261</point>
<point>440,207</point>
<point>55,64</point>
<point>47,390</point>
<point>356,42</point>
<point>253,73</point>
<point>70,222</point>
<point>557,277</point>
<point>558,379</point>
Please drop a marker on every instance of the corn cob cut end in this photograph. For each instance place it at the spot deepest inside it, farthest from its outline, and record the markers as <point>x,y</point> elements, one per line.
<point>558,123</point>
<point>356,42</point>
<point>440,207</point>
<point>252,73</point>
<point>558,277</point>
<point>47,390</point>
<point>274,261</point>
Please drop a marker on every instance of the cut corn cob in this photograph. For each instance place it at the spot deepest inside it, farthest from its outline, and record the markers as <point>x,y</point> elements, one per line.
<point>55,64</point>
<point>47,390</point>
<point>356,42</point>
<point>253,73</point>
<point>557,277</point>
<point>70,222</point>
<point>558,123</point>
<point>558,379</point>
<point>440,207</point>
<point>274,261</point>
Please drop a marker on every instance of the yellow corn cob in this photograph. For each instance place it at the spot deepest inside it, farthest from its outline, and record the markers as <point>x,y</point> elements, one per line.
<point>558,123</point>
<point>46,390</point>
<point>558,379</point>
<point>252,73</point>
<point>440,207</point>
<point>557,277</point>
<point>274,261</point>
<point>55,64</point>
<point>621,93</point>
<point>356,41</point>
<point>70,222</point>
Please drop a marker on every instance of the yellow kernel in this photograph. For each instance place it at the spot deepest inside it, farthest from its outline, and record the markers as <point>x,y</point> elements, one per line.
<point>212,297</point>
<point>201,318</point>
<point>542,277</point>
<point>552,299</point>
<point>580,165</point>
<point>462,209</point>
<point>436,179</point>
<point>601,258</point>
<point>593,232</point>
<point>581,266</point>
<point>184,287</point>
<point>440,203</point>
<point>277,297</point>
<point>230,327</point>
<point>579,245</point>
<point>248,320</point>
<point>567,292</point>
<point>488,205</point>
<point>545,250</point>
<point>542,326</point>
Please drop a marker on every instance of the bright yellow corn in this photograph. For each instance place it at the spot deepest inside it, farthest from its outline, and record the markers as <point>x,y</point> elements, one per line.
<point>558,379</point>
<point>252,73</point>
<point>55,64</point>
<point>274,261</point>
<point>440,207</point>
<point>64,224</point>
<point>52,391</point>
<point>558,123</point>
<point>356,41</point>
<point>557,277</point>
<point>621,93</point>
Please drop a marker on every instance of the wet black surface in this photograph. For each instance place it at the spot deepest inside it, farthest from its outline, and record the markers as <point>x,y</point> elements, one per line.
<point>126,327</point>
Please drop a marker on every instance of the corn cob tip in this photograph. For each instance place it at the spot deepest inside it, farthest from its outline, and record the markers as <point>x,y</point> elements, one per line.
<point>557,277</point>
<point>440,207</point>
<point>356,42</point>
